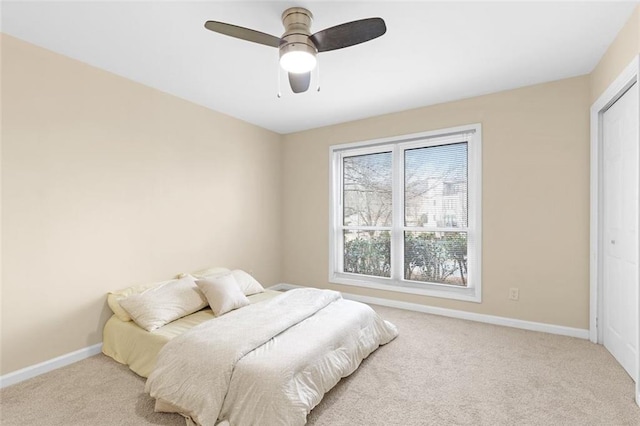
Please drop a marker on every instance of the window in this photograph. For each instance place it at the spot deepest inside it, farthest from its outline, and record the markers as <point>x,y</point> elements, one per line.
<point>405,213</point>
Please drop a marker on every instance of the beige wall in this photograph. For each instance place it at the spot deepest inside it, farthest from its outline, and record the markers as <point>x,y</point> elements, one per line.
<point>535,199</point>
<point>620,53</point>
<point>107,183</point>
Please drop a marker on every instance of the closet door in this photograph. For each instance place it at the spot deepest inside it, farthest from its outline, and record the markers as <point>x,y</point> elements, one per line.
<point>620,230</point>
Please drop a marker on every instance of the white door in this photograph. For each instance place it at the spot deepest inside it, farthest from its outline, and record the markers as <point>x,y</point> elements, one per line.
<point>620,230</point>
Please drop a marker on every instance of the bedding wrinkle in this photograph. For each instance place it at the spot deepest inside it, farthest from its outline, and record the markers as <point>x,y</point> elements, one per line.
<point>303,364</point>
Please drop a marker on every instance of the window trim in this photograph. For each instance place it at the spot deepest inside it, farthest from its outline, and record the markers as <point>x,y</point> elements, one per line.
<point>472,293</point>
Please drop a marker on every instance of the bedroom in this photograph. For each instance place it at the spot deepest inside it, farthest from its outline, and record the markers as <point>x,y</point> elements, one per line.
<point>107,183</point>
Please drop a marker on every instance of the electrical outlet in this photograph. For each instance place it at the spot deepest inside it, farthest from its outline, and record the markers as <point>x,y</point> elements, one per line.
<point>514,293</point>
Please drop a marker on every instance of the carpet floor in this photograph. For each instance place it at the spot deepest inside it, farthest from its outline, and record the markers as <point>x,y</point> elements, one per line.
<point>439,371</point>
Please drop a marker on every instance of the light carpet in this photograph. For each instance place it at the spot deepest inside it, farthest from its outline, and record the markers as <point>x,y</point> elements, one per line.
<point>439,371</point>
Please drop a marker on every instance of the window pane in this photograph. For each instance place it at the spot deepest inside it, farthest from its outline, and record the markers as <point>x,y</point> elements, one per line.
<point>437,257</point>
<point>367,253</point>
<point>435,185</point>
<point>367,190</point>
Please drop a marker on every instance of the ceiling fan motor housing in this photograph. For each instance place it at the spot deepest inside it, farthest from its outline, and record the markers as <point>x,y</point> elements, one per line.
<point>297,24</point>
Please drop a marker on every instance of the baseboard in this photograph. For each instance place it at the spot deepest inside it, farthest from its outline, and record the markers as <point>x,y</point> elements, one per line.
<point>50,365</point>
<point>453,313</point>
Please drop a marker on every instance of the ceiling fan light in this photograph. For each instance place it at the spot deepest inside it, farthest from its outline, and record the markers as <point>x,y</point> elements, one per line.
<point>297,61</point>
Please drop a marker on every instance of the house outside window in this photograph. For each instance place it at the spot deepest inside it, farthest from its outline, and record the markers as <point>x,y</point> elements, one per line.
<point>406,213</point>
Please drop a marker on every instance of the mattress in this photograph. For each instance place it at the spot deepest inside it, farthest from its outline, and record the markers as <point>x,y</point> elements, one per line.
<point>131,345</point>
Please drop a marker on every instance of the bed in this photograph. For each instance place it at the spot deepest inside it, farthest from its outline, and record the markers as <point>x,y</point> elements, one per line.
<point>129,344</point>
<point>270,361</point>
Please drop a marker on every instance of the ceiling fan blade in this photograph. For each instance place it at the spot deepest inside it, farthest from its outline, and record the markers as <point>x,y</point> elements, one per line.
<point>348,34</point>
<point>299,82</point>
<point>242,33</point>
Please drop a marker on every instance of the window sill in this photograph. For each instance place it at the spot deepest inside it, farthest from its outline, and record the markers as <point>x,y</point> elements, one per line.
<point>467,294</point>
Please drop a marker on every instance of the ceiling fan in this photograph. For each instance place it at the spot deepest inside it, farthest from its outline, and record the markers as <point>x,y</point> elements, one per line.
<point>298,47</point>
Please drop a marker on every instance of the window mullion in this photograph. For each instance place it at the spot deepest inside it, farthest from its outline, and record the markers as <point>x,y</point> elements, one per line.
<point>397,234</point>
<point>339,215</point>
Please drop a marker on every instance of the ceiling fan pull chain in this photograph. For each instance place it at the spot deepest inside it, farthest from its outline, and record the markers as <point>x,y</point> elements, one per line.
<point>318,76</point>
<point>279,94</point>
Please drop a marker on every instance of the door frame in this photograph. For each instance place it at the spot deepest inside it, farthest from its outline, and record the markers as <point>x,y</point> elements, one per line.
<point>624,81</point>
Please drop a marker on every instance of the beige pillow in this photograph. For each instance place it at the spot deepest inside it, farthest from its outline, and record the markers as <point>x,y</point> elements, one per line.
<point>246,282</point>
<point>114,297</point>
<point>223,293</point>
<point>160,305</point>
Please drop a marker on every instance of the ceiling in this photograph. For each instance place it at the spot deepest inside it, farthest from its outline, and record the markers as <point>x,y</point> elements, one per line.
<point>433,52</point>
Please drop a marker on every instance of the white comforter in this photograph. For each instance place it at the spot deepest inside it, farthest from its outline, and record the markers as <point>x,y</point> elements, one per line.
<point>268,363</point>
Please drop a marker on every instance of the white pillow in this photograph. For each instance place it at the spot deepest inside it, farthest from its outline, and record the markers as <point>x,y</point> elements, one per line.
<point>161,305</point>
<point>114,297</point>
<point>246,282</point>
<point>223,293</point>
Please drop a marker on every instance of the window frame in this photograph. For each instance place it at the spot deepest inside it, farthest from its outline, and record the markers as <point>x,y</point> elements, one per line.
<point>472,134</point>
